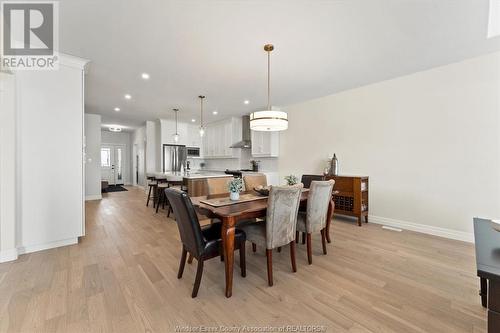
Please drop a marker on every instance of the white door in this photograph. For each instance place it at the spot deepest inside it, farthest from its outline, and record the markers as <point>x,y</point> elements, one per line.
<point>113,164</point>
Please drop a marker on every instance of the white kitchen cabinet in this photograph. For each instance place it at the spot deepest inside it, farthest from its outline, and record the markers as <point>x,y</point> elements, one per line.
<point>265,144</point>
<point>193,136</point>
<point>220,136</point>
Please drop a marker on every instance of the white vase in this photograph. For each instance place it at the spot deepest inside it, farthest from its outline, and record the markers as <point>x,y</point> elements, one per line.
<point>234,196</point>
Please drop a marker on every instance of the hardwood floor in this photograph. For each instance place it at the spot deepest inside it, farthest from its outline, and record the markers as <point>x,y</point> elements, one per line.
<point>122,277</point>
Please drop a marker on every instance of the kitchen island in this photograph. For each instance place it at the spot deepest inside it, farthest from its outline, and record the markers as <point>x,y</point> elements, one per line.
<point>196,182</point>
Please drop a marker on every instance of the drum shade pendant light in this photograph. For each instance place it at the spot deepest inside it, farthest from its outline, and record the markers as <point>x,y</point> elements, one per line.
<point>268,120</point>
<point>176,135</point>
<point>202,127</point>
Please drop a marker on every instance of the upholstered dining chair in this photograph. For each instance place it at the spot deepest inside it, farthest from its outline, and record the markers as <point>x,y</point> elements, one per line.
<point>217,185</point>
<point>306,180</point>
<point>314,219</point>
<point>278,229</point>
<point>202,243</point>
<point>252,181</point>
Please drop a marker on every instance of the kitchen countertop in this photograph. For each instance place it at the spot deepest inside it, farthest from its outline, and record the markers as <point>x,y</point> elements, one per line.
<point>201,175</point>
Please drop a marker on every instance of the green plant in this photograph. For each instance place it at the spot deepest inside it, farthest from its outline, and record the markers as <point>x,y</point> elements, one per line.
<point>291,180</point>
<point>235,185</point>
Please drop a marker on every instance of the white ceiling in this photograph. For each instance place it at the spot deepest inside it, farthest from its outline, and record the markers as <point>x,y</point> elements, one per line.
<point>215,48</point>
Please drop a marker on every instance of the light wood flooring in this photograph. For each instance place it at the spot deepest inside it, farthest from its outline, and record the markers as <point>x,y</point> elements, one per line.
<point>122,277</point>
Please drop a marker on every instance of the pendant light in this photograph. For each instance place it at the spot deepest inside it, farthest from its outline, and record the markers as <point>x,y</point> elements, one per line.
<point>202,127</point>
<point>268,120</point>
<point>176,135</point>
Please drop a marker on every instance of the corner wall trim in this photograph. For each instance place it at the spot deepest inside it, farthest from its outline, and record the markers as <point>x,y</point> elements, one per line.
<point>8,255</point>
<point>422,228</point>
<point>93,197</point>
<point>46,246</point>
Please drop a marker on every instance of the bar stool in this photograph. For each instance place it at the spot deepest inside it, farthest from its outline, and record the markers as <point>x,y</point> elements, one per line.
<point>153,185</point>
<point>162,198</point>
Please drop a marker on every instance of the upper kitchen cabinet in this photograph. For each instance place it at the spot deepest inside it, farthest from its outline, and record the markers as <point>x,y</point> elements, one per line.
<point>265,144</point>
<point>193,136</point>
<point>220,136</point>
<point>167,130</point>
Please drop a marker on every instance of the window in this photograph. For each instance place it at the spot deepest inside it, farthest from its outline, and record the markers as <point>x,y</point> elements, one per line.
<point>105,157</point>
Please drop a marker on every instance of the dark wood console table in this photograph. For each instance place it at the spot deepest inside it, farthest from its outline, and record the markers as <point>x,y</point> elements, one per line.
<point>488,269</point>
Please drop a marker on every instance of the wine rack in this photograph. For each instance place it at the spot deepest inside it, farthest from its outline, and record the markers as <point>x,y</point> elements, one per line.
<point>351,196</point>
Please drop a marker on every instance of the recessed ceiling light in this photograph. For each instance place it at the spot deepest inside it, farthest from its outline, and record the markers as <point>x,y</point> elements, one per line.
<point>127,96</point>
<point>246,101</point>
<point>145,76</point>
<point>115,129</point>
<point>193,120</point>
<point>117,109</point>
<point>215,112</point>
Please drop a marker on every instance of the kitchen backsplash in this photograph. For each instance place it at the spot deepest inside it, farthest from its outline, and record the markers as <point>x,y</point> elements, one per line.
<point>266,164</point>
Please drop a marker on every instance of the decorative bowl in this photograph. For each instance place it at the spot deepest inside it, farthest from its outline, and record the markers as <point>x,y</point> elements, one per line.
<point>262,190</point>
<point>495,224</point>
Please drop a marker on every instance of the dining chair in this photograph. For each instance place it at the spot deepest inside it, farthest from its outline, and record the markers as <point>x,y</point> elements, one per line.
<point>218,185</point>
<point>253,181</point>
<point>202,243</point>
<point>314,219</point>
<point>278,229</point>
<point>306,180</point>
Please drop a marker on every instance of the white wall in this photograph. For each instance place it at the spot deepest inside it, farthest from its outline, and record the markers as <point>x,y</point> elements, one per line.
<point>121,138</point>
<point>92,156</point>
<point>50,156</point>
<point>138,139</point>
<point>151,147</point>
<point>429,143</point>
<point>8,249</point>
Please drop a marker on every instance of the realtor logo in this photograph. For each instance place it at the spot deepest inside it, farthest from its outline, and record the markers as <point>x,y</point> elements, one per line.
<point>29,35</point>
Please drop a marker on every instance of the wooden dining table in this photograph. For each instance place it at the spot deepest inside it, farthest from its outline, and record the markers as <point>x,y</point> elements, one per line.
<point>232,213</point>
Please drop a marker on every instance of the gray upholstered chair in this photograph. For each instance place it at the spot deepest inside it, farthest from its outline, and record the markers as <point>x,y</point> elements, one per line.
<point>218,185</point>
<point>278,229</point>
<point>314,219</point>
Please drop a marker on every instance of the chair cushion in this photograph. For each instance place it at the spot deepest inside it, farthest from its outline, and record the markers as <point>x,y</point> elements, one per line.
<point>255,232</point>
<point>212,235</point>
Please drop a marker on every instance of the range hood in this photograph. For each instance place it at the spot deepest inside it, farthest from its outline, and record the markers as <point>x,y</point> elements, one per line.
<point>245,134</point>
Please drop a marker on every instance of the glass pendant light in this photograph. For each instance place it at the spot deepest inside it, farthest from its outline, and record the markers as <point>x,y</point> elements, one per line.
<point>176,135</point>
<point>202,127</point>
<point>268,120</point>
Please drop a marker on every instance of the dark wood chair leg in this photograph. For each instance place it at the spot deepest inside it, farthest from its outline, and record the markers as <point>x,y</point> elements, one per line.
<point>197,280</point>
<point>292,256</point>
<point>303,238</point>
<point>297,236</point>
<point>484,292</point>
<point>269,255</point>
<point>279,249</point>
<point>309,249</point>
<point>366,218</point>
<point>254,247</point>
<point>323,240</point>
<point>183,262</point>
<point>243,263</point>
<point>160,199</point>
<point>149,196</point>
<point>169,210</point>
<point>329,215</point>
<point>190,259</point>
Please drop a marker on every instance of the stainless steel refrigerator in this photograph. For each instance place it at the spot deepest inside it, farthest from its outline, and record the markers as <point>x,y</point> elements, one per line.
<point>174,156</point>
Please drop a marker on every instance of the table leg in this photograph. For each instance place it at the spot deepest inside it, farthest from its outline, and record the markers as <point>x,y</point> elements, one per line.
<point>228,224</point>
<point>484,292</point>
<point>329,215</point>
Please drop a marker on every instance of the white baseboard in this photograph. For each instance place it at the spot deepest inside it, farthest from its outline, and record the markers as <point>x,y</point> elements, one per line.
<point>93,197</point>
<point>8,255</point>
<point>46,246</point>
<point>426,229</point>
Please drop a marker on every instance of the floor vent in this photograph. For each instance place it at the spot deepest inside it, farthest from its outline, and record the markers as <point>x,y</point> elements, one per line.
<point>391,228</point>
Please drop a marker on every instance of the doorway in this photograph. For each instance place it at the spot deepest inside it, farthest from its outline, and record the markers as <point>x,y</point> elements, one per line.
<point>113,165</point>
